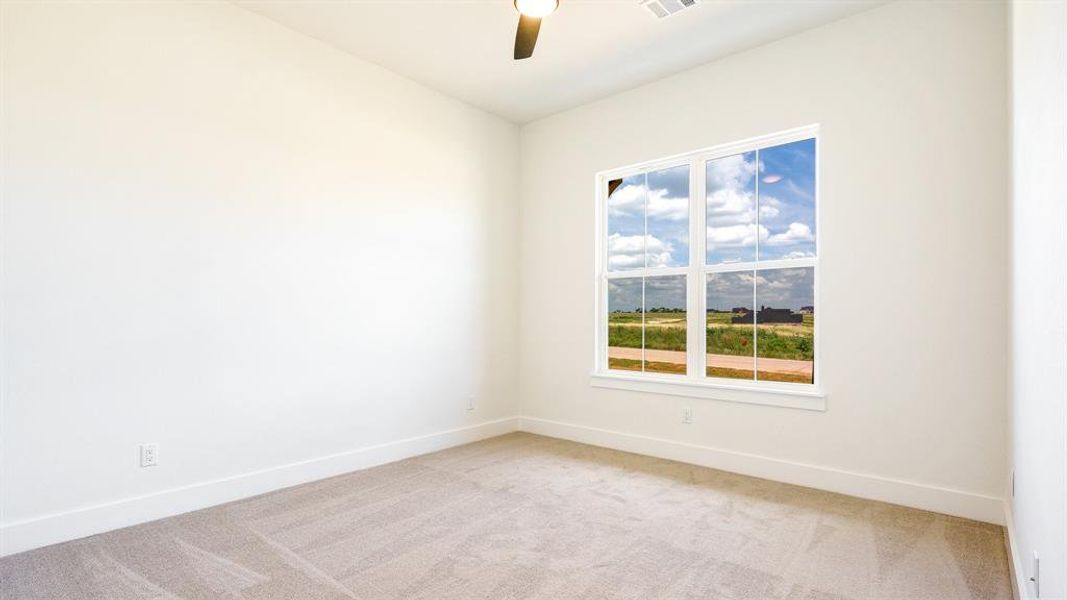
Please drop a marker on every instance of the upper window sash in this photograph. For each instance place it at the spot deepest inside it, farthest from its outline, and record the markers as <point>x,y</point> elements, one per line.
<point>647,220</point>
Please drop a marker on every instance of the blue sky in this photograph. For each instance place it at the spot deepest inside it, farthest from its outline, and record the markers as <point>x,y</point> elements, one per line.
<point>665,196</point>
<point>785,226</point>
<point>781,217</point>
<point>787,200</point>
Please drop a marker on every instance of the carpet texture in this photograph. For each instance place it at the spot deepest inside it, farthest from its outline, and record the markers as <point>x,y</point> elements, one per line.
<point>522,516</point>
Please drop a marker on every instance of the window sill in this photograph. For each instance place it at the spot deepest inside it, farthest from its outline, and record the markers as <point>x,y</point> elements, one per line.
<point>784,395</point>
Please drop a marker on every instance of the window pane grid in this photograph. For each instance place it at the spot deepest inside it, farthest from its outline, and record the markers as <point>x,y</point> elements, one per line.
<point>758,235</point>
<point>665,324</point>
<point>760,220</point>
<point>626,324</point>
<point>648,221</point>
<point>647,327</point>
<point>730,348</point>
<point>785,325</point>
<point>648,263</point>
<point>779,320</point>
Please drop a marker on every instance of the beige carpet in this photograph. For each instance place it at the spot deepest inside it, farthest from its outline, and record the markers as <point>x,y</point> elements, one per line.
<point>522,516</point>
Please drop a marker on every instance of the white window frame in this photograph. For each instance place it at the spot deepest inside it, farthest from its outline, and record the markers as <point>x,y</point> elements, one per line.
<point>696,383</point>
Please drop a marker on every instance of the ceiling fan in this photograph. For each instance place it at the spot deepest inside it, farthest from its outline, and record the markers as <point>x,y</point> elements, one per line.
<point>530,14</point>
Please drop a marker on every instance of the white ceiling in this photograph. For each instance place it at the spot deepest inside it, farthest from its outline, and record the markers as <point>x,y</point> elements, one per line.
<point>587,50</point>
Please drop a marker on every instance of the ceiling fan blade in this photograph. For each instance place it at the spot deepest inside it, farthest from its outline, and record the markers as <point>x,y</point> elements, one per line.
<point>526,36</point>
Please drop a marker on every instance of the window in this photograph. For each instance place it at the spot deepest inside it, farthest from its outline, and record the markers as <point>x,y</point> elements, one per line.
<point>647,260</point>
<point>706,270</point>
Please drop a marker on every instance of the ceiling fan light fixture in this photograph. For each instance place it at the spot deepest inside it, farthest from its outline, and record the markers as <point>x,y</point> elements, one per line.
<point>536,8</point>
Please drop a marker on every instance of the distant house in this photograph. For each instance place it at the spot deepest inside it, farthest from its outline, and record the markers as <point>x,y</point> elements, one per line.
<point>769,315</point>
<point>741,314</point>
<point>807,310</point>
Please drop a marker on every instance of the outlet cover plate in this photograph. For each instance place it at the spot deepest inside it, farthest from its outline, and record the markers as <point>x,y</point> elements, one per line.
<point>149,455</point>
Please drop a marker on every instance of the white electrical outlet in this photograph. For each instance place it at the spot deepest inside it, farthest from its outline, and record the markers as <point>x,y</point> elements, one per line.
<point>149,455</point>
<point>687,415</point>
<point>470,402</point>
<point>1035,576</point>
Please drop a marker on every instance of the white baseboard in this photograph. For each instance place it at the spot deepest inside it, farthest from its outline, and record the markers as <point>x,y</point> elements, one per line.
<point>69,525</point>
<point>917,495</point>
<point>81,522</point>
<point>1019,588</point>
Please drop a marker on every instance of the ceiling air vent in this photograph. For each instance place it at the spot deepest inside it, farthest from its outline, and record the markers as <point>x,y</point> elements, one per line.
<point>665,8</point>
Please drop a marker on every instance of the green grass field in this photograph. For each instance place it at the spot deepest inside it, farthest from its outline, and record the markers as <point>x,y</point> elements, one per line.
<point>656,338</point>
<point>666,331</point>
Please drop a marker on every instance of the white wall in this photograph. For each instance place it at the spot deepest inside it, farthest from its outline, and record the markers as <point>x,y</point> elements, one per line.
<point>911,98</point>
<point>215,233</point>
<point>1039,293</point>
<point>227,238</point>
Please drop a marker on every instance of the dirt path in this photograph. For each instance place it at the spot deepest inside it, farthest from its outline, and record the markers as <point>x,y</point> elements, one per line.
<point>725,361</point>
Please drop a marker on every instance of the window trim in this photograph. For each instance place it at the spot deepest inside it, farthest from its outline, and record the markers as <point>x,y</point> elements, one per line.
<point>696,383</point>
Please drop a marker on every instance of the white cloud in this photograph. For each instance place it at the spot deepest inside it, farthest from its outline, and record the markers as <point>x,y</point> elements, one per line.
<point>775,285</point>
<point>735,236</point>
<point>736,286</point>
<point>665,291</point>
<point>625,244</point>
<point>661,260</point>
<point>628,251</point>
<point>767,212</point>
<point>769,207</point>
<point>730,198</point>
<point>629,201</point>
<point>783,288</point>
<point>732,203</point>
<point>662,206</point>
<point>619,262</point>
<point>799,254</point>
<point>731,207</point>
<point>730,172</point>
<point>797,232</point>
